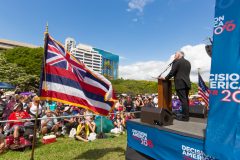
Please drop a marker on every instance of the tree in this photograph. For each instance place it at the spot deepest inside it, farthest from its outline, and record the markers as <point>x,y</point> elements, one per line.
<point>30,59</point>
<point>17,75</point>
<point>135,87</point>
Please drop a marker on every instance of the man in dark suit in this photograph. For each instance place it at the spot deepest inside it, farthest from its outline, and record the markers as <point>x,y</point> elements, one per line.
<point>181,72</point>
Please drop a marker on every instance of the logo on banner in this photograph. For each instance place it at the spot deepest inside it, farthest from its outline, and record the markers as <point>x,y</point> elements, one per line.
<point>190,153</point>
<point>221,25</point>
<point>142,138</point>
<point>228,84</point>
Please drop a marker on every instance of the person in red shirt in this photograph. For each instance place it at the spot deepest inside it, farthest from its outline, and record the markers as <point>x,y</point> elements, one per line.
<point>17,126</point>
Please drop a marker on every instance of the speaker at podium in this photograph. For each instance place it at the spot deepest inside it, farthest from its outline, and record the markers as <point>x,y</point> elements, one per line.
<point>163,114</point>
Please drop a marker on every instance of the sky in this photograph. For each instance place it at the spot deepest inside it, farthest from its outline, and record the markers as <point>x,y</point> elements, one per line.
<point>144,33</point>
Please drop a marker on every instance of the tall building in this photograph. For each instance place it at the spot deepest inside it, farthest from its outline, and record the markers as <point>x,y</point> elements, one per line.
<point>110,64</point>
<point>91,58</point>
<point>99,60</point>
<point>70,43</point>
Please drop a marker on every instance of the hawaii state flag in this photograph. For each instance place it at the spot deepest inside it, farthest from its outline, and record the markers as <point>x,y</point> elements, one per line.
<point>67,80</point>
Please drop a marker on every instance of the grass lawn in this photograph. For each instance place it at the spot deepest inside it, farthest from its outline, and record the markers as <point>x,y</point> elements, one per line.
<point>70,149</point>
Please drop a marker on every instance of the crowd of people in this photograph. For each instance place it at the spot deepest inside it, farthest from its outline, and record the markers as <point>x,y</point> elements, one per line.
<point>20,110</point>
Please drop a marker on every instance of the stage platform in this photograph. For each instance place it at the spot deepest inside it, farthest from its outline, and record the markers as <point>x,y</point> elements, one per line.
<point>182,140</point>
<point>194,128</point>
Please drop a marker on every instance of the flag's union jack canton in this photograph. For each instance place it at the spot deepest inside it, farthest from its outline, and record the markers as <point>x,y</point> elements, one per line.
<point>203,90</point>
<point>67,80</point>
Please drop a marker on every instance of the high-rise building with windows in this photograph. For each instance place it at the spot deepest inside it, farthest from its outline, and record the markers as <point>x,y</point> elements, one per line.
<point>110,64</point>
<point>99,60</point>
<point>70,43</point>
<point>91,58</point>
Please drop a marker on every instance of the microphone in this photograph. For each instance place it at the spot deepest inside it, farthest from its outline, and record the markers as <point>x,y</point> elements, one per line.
<point>166,68</point>
<point>171,63</point>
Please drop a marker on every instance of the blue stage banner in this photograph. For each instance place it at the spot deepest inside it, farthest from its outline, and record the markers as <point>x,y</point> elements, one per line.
<point>223,128</point>
<point>164,145</point>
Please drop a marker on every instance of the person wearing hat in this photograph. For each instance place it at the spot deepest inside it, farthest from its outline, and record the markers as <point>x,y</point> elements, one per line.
<point>49,124</point>
<point>34,106</point>
<point>17,126</point>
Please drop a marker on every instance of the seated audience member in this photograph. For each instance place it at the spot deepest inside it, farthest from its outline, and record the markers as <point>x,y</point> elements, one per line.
<point>49,124</point>
<point>51,105</point>
<point>118,122</point>
<point>33,109</point>
<point>148,102</point>
<point>128,104</point>
<point>82,131</point>
<point>70,122</point>
<point>75,110</point>
<point>119,106</point>
<point>155,101</point>
<point>2,143</point>
<point>9,107</point>
<point>176,104</point>
<point>89,121</point>
<point>138,103</point>
<point>17,127</point>
<point>129,116</point>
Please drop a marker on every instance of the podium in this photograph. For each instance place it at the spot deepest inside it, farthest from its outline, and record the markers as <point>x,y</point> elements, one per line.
<point>165,94</point>
<point>163,114</point>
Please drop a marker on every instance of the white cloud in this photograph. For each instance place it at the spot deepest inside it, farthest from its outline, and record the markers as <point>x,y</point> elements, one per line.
<point>137,5</point>
<point>147,70</point>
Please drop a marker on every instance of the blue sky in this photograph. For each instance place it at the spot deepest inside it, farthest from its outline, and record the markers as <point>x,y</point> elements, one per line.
<point>138,30</point>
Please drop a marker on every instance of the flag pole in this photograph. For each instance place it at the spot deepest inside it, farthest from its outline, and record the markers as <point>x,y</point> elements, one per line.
<point>36,116</point>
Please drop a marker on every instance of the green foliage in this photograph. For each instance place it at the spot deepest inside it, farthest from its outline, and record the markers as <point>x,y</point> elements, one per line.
<point>30,59</point>
<point>134,87</point>
<point>21,67</point>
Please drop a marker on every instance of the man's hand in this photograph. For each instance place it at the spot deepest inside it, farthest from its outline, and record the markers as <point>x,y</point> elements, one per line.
<point>162,78</point>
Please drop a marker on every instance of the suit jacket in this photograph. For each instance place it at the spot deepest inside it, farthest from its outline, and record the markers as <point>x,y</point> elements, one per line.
<point>181,72</point>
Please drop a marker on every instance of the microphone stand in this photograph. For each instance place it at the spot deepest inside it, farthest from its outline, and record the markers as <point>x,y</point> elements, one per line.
<point>164,70</point>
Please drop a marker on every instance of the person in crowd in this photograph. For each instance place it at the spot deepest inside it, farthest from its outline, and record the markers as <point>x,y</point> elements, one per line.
<point>155,100</point>
<point>2,143</point>
<point>176,105</point>
<point>2,106</point>
<point>82,131</point>
<point>70,122</point>
<point>89,121</point>
<point>33,107</point>
<point>138,103</point>
<point>75,110</point>
<point>148,102</point>
<point>9,107</point>
<point>51,105</point>
<point>128,104</point>
<point>129,116</point>
<point>17,126</point>
<point>119,122</point>
<point>49,124</point>
<point>181,69</point>
<point>119,105</point>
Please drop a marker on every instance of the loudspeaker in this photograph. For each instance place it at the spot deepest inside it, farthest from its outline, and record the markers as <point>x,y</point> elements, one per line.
<point>156,116</point>
<point>208,49</point>
<point>199,111</point>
